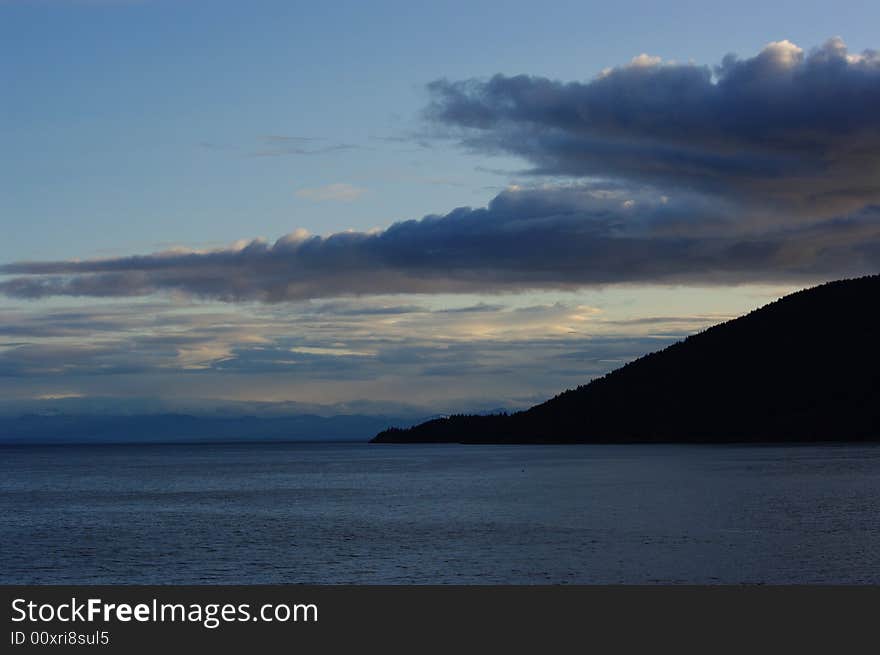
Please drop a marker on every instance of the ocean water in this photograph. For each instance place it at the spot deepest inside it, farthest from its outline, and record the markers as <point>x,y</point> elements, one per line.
<point>388,514</point>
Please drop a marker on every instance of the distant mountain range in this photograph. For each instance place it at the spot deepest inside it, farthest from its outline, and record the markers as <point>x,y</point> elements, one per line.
<point>171,427</point>
<point>803,368</point>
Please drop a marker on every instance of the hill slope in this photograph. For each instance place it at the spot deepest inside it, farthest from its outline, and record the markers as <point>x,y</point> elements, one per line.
<point>803,368</point>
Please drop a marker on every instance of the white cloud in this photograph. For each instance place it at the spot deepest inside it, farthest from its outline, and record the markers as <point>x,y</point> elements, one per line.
<point>645,61</point>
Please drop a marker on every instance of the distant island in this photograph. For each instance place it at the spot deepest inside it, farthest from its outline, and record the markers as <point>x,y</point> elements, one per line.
<point>803,368</point>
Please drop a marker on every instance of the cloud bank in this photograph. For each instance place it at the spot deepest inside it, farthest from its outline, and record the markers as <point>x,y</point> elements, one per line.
<point>792,131</point>
<point>757,170</point>
<point>443,354</point>
<point>525,239</point>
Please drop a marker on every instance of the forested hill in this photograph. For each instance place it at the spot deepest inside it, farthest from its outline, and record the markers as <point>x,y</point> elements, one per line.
<point>803,368</point>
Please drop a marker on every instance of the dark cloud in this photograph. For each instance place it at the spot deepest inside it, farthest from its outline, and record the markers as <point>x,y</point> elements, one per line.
<point>347,309</point>
<point>662,320</point>
<point>539,238</point>
<point>795,132</point>
<point>479,308</point>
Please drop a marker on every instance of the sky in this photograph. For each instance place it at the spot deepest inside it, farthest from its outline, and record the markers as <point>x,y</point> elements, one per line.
<point>393,207</point>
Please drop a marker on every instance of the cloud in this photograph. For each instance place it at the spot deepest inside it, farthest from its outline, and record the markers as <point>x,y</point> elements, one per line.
<point>482,356</point>
<point>332,192</point>
<point>764,169</point>
<point>796,133</point>
<point>543,238</point>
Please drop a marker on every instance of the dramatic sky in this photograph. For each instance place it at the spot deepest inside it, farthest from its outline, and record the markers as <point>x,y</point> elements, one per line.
<point>390,205</point>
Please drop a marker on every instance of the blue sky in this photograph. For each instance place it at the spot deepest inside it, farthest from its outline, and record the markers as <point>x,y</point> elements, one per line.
<point>134,127</point>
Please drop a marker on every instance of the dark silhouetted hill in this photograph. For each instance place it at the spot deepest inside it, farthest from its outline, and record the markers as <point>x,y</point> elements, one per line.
<point>803,368</point>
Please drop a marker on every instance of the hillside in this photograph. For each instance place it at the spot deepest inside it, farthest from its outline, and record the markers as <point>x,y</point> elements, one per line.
<point>803,368</point>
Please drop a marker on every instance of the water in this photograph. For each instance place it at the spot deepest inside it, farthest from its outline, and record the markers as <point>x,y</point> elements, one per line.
<point>355,513</point>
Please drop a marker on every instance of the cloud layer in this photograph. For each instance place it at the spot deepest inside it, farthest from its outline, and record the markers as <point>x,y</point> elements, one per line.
<point>792,131</point>
<point>456,354</point>
<point>525,239</point>
<point>759,169</point>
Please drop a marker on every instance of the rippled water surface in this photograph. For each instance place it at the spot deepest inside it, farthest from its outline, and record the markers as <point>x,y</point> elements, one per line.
<point>337,513</point>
